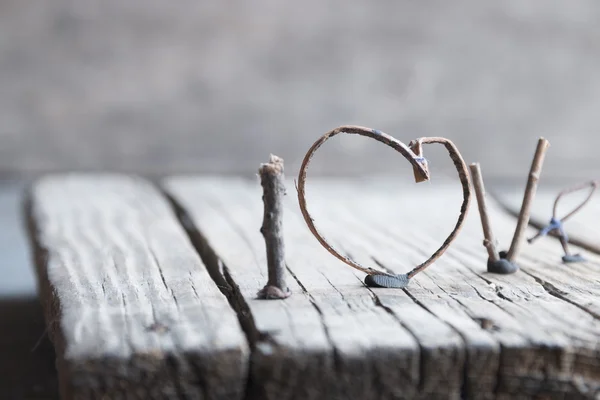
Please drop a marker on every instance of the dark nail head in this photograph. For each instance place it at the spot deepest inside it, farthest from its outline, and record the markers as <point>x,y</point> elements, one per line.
<point>502,266</point>
<point>386,281</point>
<point>573,258</point>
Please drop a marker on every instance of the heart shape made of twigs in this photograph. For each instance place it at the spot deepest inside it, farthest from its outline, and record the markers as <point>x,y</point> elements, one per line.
<point>414,154</point>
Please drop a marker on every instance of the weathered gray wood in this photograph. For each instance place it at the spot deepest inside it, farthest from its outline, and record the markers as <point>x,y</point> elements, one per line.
<point>543,318</point>
<point>583,228</point>
<point>132,311</point>
<point>279,338</point>
<point>531,334</point>
<point>349,345</point>
<point>564,302</point>
<point>365,239</point>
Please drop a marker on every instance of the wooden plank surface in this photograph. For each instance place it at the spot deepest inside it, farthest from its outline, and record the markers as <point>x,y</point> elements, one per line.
<point>330,337</point>
<point>527,303</point>
<point>534,334</point>
<point>583,228</point>
<point>131,308</point>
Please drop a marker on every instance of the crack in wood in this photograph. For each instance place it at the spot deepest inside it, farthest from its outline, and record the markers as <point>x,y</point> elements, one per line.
<point>559,294</point>
<point>485,313</point>
<point>217,271</point>
<point>103,343</point>
<point>337,360</point>
<point>497,289</point>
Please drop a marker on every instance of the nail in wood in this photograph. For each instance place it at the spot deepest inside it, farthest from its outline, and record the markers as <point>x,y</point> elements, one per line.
<point>488,235</point>
<point>272,181</point>
<point>530,190</point>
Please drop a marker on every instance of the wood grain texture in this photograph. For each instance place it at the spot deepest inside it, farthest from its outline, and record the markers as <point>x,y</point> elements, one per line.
<point>468,333</point>
<point>543,330</point>
<point>332,338</point>
<point>583,228</point>
<point>132,311</point>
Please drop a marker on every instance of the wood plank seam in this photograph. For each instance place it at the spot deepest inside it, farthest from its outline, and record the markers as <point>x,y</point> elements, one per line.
<point>375,365</point>
<point>337,361</point>
<point>519,341</point>
<point>223,279</point>
<point>217,270</point>
<point>115,338</point>
<point>255,391</point>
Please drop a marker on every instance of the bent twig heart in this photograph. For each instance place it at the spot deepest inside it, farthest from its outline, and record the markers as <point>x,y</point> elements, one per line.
<point>413,154</point>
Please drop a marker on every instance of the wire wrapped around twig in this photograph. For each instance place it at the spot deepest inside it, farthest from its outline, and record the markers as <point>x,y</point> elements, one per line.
<point>414,154</point>
<point>556,224</point>
<point>593,185</point>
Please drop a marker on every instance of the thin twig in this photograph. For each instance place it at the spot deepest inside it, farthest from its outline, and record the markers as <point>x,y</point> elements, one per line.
<point>530,190</point>
<point>271,179</point>
<point>556,224</point>
<point>412,153</point>
<point>463,175</point>
<point>593,185</point>
<point>488,234</point>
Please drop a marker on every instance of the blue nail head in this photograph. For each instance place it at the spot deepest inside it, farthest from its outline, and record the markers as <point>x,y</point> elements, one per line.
<point>386,281</point>
<point>502,266</point>
<point>377,131</point>
<point>573,258</point>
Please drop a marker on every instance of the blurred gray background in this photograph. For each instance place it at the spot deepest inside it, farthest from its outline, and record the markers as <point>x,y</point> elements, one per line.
<point>160,87</point>
<point>213,86</point>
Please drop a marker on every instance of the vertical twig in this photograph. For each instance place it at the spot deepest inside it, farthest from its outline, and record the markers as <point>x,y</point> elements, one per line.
<point>530,190</point>
<point>271,179</point>
<point>488,235</point>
